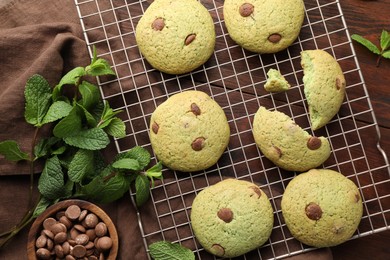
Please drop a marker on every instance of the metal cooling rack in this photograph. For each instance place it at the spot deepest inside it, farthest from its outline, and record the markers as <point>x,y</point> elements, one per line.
<point>235,79</point>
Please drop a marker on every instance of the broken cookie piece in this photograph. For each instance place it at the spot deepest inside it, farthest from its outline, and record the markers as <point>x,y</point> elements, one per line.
<point>286,144</point>
<point>276,82</point>
<point>324,86</point>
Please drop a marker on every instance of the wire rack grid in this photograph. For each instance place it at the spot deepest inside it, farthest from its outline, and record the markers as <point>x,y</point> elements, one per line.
<point>234,78</point>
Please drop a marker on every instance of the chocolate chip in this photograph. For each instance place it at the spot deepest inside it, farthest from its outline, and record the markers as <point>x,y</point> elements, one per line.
<point>64,220</point>
<point>73,212</point>
<point>47,223</point>
<point>256,190</point>
<point>79,251</point>
<point>246,9</point>
<point>190,38</point>
<point>357,197</point>
<point>83,214</point>
<point>217,250</point>
<point>313,211</point>
<point>340,83</point>
<point>82,239</point>
<point>43,253</point>
<point>59,251</point>
<point>195,109</point>
<point>158,24</point>
<point>101,229</point>
<point>41,241</point>
<point>47,233</point>
<point>66,248</point>
<point>274,38</point>
<point>57,228</point>
<point>198,144</point>
<point>60,238</point>
<point>155,127</point>
<point>278,151</point>
<point>91,220</point>
<point>225,214</point>
<point>104,243</point>
<point>314,143</point>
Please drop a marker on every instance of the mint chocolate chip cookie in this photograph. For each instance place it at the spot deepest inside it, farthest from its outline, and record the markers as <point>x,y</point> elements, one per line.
<point>276,82</point>
<point>176,36</point>
<point>322,208</point>
<point>324,86</point>
<point>286,144</point>
<point>263,26</point>
<point>189,131</point>
<point>231,218</point>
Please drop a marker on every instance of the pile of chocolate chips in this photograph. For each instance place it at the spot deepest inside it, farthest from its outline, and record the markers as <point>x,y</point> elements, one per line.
<point>73,234</point>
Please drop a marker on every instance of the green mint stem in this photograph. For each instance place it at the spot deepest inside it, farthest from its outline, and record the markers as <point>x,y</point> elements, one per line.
<point>378,60</point>
<point>33,143</point>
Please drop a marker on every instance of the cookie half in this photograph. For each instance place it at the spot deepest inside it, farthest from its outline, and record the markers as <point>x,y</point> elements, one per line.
<point>189,131</point>
<point>176,37</point>
<point>322,208</point>
<point>231,218</point>
<point>263,26</point>
<point>324,86</point>
<point>286,144</point>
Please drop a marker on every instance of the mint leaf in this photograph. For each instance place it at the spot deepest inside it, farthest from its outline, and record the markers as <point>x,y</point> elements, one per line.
<point>57,110</point>
<point>99,67</point>
<point>11,151</point>
<point>69,125</point>
<point>164,250</point>
<point>116,128</point>
<point>41,206</point>
<point>142,189</point>
<point>154,173</point>
<point>369,45</point>
<point>107,115</point>
<point>106,187</point>
<point>70,78</point>
<point>90,94</point>
<point>44,146</point>
<point>138,153</point>
<point>88,116</point>
<point>81,165</point>
<point>89,139</point>
<point>386,54</point>
<point>127,164</point>
<point>37,94</point>
<point>385,40</point>
<point>51,181</point>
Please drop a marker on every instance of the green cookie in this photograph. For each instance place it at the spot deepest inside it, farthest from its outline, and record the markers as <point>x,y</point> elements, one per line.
<point>263,26</point>
<point>176,36</point>
<point>286,144</point>
<point>189,131</point>
<point>276,82</point>
<point>231,218</point>
<point>324,86</point>
<point>322,208</point>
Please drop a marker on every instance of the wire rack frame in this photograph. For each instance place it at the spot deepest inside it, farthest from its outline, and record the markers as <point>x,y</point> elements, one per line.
<point>235,78</point>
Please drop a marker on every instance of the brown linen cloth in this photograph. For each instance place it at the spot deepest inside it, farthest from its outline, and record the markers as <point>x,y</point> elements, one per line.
<point>45,37</point>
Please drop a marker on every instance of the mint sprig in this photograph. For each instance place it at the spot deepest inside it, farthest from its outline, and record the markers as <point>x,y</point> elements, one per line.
<point>82,126</point>
<point>164,250</point>
<point>382,51</point>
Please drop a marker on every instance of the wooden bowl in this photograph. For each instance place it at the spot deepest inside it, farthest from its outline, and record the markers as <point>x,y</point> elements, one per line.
<point>37,226</point>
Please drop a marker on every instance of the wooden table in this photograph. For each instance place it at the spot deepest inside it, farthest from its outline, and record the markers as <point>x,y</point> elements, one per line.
<point>368,18</point>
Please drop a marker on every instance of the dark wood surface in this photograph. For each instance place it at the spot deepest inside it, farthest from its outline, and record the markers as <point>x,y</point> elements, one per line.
<point>368,18</point>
